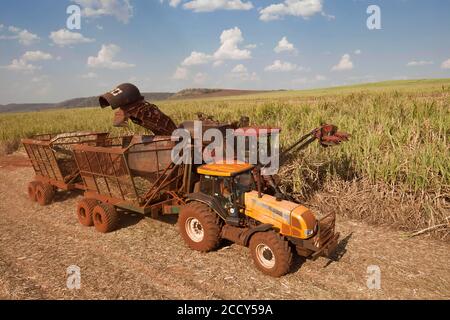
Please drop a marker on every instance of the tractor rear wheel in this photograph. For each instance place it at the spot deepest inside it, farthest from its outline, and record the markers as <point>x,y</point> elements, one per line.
<point>199,226</point>
<point>84,211</point>
<point>31,189</point>
<point>105,217</point>
<point>44,193</point>
<point>271,253</point>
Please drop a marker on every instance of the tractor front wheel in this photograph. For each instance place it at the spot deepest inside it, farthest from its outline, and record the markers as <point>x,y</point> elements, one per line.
<point>199,227</point>
<point>84,211</point>
<point>271,253</point>
<point>44,193</point>
<point>105,217</point>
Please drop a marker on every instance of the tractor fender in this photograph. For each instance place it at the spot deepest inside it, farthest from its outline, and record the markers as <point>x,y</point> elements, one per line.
<point>252,231</point>
<point>212,202</point>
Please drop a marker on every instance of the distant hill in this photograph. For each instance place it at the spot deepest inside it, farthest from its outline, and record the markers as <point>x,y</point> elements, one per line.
<point>93,101</point>
<point>74,103</point>
<point>150,96</point>
<point>24,107</point>
<point>210,93</point>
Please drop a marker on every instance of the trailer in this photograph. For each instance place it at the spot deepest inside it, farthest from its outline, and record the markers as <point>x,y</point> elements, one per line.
<point>140,177</point>
<point>54,164</point>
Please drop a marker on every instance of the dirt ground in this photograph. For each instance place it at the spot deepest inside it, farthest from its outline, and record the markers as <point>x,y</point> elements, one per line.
<point>146,259</point>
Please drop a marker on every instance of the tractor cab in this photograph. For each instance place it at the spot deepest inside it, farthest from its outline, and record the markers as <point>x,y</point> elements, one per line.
<point>227,184</point>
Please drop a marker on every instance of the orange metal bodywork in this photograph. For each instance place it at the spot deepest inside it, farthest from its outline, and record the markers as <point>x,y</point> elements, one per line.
<point>291,219</point>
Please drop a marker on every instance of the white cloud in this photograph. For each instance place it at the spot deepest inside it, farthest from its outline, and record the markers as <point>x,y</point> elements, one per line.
<point>229,49</point>
<point>196,58</point>
<point>21,66</point>
<point>280,66</point>
<point>23,36</point>
<point>358,51</point>
<point>284,45</point>
<point>36,56</point>
<point>315,79</point>
<point>320,77</point>
<point>181,74</point>
<point>105,58</point>
<point>304,69</point>
<point>446,64</point>
<point>200,78</point>
<point>240,72</point>
<point>65,37</point>
<point>297,8</point>
<point>122,10</point>
<point>39,79</point>
<point>240,68</point>
<point>419,63</point>
<point>344,64</point>
<point>251,46</point>
<point>173,3</point>
<point>89,75</point>
<point>213,5</point>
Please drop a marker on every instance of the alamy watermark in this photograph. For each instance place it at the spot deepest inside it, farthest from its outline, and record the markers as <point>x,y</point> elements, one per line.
<point>373,277</point>
<point>74,20</point>
<point>374,20</point>
<point>73,281</point>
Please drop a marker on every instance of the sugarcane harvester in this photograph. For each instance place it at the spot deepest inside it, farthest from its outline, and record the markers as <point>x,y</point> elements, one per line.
<point>227,200</point>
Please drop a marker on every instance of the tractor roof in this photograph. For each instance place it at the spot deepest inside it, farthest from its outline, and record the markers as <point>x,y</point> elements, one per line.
<point>224,169</point>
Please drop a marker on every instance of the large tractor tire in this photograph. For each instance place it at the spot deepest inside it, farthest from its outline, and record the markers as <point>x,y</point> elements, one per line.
<point>31,190</point>
<point>271,253</point>
<point>44,193</point>
<point>105,217</point>
<point>199,226</point>
<point>84,211</point>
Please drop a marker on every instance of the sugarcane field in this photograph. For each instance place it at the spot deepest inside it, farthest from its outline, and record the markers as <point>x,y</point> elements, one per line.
<point>308,180</point>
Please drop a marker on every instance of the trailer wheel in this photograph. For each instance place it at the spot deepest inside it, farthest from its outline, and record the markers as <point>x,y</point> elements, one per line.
<point>44,193</point>
<point>84,211</point>
<point>271,253</point>
<point>105,217</point>
<point>199,227</point>
<point>31,189</point>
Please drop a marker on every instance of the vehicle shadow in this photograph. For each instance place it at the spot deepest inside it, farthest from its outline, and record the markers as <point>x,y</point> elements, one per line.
<point>297,263</point>
<point>168,218</point>
<point>62,196</point>
<point>128,219</point>
<point>340,251</point>
<point>337,255</point>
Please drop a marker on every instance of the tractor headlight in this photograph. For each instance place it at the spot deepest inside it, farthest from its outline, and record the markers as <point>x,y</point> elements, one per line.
<point>309,232</point>
<point>232,210</point>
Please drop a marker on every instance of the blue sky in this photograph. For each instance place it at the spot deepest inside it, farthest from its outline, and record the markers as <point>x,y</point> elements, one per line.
<point>169,45</point>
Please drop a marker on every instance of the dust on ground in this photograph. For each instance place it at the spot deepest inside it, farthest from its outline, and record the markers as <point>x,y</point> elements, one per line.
<point>147,259</point>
